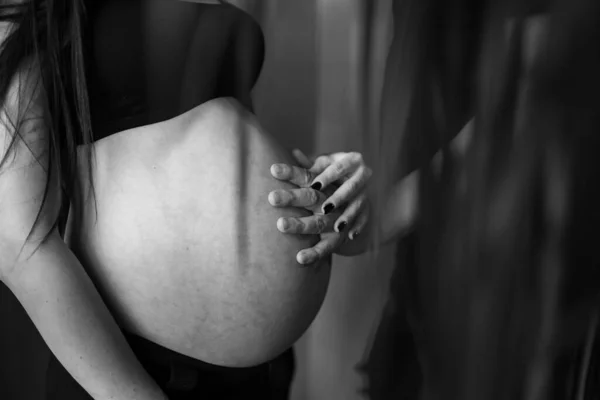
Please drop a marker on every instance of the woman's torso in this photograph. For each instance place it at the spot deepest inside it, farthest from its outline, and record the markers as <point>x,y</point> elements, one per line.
<point>178,258</point>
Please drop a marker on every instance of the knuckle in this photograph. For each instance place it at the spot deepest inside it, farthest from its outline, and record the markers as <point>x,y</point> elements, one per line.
<point>320,225</point>
<point>306,178</point>
<point>300,226</point>
<point>289,225</point>
<point>317,252</point>
<point>313,197</point>
<point>338,167</point>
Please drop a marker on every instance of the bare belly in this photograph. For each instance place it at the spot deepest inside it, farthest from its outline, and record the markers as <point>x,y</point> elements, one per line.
<point>187,255</point>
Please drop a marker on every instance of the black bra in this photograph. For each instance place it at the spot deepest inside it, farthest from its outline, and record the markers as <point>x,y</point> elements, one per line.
<point>151,60</point>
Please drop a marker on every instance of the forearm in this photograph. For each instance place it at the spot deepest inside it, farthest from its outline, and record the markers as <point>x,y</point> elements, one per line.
<point>77,326</point>
<point>401,205</point>
<point>396,219</point>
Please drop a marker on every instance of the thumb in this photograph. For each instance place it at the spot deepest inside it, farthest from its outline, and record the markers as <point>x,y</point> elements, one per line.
<point>302,159</point>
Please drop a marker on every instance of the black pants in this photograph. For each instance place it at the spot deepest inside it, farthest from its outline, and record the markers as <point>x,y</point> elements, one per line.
<point>184,378</point>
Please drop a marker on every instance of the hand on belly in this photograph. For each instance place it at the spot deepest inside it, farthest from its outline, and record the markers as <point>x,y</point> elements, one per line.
<point>185,248</point>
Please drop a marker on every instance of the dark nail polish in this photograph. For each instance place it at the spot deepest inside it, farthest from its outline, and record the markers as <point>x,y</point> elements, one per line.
<point>328,208</point>
<point>341,226</point>
<point>316,186</point>
<point>354,235</point>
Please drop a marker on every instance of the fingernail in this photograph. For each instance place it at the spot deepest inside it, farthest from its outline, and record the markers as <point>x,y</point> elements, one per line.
<point>274,198</point>
<point>328,208</point>
<point>353,235</point>
<point>277,169</point>
<point>341,226</point>
<point>303,259</point>
<point>316,186</point>
<point>283,224</point>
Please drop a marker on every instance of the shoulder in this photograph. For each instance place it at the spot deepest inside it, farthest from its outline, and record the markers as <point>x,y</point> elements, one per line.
<point>223,125</point>
<point>223,114</point>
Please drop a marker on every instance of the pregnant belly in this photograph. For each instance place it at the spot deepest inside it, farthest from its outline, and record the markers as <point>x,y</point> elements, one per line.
<point>182,243</point>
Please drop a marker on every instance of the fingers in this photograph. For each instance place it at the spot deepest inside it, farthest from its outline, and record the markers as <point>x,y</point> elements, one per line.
<point>359,224</point>
<point>312,225</point>
<point>323,161</point>
<point>302,197</point>
<point>329,242</point>
<point>302,159</point>
<point>350,214</point>
<point>336,168</point>
<point>348,190</point>
<point>298,176</point>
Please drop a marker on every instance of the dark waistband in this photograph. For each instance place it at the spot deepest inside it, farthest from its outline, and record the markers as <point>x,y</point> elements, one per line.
<point>150,352</point>
<point>175,371</point>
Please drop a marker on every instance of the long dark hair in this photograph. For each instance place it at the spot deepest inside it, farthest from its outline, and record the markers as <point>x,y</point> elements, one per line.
<point>49,33</point>
<point>507,282</point>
